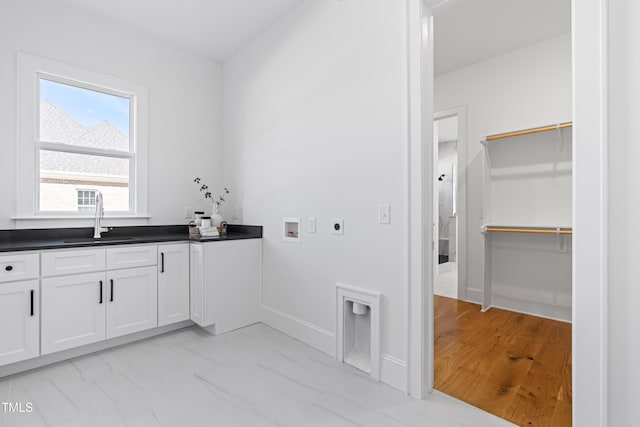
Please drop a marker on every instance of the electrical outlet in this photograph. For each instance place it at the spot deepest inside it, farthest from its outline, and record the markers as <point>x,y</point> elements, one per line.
<point>337,226</point>
<point>312,224</point>
<point>188,213</point>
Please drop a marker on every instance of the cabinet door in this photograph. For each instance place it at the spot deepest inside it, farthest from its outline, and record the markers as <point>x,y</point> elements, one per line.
<point>196,283</point>
<point>232,283</point>
<point>132,300</point>
<point>173,283</point>
<point>73,310</point>
<point>19,336</point>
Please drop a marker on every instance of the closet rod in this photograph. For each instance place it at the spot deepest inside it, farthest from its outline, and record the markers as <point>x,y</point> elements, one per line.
<point>528,131</point>
<point>527,230</point>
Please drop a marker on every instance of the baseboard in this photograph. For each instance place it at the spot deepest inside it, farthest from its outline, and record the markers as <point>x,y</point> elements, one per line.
<point>393,372</point>
<point>525,305</point>
<point>532,306</point>
<point>304,331</point>
<point>474,295</point>
<point>60,356</point>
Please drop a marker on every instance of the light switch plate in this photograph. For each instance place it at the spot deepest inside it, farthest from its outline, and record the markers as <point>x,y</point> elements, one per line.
<point>384,214</point>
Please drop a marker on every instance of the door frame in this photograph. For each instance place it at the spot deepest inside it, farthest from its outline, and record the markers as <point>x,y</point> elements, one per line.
<point>420,242</point>
<point>461,193</point>
<point>590,195</point>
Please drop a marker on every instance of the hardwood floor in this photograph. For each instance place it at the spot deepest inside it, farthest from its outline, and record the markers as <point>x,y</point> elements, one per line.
<point>512,365</point>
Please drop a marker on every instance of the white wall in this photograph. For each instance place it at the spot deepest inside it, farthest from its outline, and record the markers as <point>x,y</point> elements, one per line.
<point>184,98</point>
<point>623,214</point>
<point>522,89</point>
<point>316,125</point>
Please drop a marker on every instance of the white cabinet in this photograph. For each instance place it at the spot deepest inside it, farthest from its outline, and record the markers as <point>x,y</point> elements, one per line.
<point>173,283</point>
<point>73,311</point>
<point>131,256</point>
<point>132,300</point>
<point>14,267</point>
<point>225,283</point>
<point>55,300</point>
<point>79,309</point>
<point>19,308</point>
<point>132,277</point>
<point>72,261</point>
<point>196,283</point>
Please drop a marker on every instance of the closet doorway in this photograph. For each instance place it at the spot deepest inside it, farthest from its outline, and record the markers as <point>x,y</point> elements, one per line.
<point>503,341</point>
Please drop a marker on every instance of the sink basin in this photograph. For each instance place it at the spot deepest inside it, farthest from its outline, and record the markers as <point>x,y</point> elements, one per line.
<point>110,239</point>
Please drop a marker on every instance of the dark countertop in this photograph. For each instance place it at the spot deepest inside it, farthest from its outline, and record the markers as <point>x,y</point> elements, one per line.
<point>61,238</point>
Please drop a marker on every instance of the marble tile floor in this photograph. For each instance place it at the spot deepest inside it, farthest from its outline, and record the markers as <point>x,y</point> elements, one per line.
<point>446,283</point>
<point>253,377</point>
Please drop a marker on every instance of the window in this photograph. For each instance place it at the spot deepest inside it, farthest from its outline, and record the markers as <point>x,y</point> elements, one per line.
<point>80,132</point>
<point>86,200</point>
<point>83,140</point>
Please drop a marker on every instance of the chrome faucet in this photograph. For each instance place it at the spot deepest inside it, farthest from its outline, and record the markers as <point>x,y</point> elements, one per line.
<point>97,230</point>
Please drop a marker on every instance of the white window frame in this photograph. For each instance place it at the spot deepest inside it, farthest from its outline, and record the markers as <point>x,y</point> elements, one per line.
<point>30,70</point>
<point>130,154</point>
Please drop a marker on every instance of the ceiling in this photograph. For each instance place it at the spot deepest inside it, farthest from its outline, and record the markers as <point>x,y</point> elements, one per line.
<point>469,31</point>
<point>466,31</point>
<point>214,28</point>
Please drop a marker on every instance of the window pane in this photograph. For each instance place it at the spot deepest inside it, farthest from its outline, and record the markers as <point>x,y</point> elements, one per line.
<point>86,200</point>
<point>69,181</point>
<point>83,117</point>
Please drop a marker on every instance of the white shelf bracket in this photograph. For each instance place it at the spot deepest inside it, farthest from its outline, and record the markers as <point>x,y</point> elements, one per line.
<point>561,146</point>
<point>561,242</point>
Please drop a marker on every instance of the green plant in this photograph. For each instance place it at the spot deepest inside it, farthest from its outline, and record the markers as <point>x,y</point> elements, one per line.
<point>204,188</point>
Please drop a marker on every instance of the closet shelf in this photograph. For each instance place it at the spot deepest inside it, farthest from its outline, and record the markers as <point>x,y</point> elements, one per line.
<point>528,131</point>
<point>527,229</point>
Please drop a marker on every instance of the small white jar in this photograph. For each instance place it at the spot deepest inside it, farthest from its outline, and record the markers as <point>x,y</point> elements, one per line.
<point>205,222</point>
<point>198,217</point>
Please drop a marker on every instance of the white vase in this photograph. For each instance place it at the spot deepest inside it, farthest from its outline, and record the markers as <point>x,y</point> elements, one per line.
<point>216,218</point>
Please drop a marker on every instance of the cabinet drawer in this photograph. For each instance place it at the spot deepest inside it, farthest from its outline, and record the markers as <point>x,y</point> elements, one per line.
<point>19,267</point>
<point>59,263</point>
<point>131,256</point>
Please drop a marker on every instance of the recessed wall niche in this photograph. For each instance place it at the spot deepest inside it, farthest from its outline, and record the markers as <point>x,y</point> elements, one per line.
<point>291,229</point>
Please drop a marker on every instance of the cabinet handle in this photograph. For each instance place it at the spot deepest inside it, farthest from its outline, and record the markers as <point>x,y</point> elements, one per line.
<point>100,291</point>
<point>33,312</point>
<point>111,299</point>
<point>162,262</point>
<point>9,267</point>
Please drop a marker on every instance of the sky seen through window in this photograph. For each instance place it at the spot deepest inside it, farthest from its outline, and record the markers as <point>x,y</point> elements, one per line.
<point>88,107</point>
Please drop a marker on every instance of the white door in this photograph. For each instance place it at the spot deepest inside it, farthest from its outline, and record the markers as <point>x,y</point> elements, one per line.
<point>73,311</point>
<point>132,300</point>
<point>20,321</point>
<point>173,283</point>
